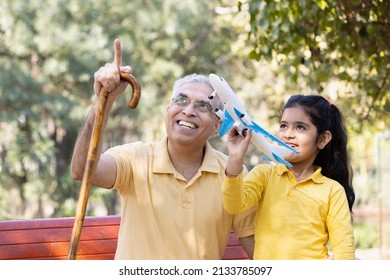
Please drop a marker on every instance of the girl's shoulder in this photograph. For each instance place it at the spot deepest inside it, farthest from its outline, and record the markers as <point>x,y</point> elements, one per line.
<point>270,167</point>
<point>326,182</point>
<point>268,170</point>
<point>333,184</point>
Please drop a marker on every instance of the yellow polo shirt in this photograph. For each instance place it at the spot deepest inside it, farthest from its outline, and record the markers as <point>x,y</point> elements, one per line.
<point>165,217</point>
<point>294,220</point>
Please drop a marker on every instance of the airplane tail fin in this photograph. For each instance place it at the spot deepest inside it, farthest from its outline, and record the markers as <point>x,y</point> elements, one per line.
<point>277,159</point>
<point>282,151</point>
<point>261,130</point>
<point>281,160</point>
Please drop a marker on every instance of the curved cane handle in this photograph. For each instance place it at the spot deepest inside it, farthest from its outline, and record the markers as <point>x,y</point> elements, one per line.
<point>133,102</point>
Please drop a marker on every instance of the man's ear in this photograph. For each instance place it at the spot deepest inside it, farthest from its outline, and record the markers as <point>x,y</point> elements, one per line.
<point>166,113</point>
<point>324,139</point>
<point>217,126</point>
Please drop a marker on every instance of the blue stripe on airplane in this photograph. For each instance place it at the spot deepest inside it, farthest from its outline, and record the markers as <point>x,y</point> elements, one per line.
<point>227,123</point>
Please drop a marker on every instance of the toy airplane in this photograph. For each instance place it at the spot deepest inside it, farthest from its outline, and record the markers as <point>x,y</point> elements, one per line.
<point>235,114</point>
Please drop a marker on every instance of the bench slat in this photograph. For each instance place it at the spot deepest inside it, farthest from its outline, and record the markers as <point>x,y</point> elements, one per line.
<point>48,239</point>
<point>58,249</point>
<point>56,223</point>
<point>81,257</point>
<point>47,235</point>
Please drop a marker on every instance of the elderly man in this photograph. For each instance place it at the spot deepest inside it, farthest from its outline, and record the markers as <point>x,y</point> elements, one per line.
<point>170,191</point>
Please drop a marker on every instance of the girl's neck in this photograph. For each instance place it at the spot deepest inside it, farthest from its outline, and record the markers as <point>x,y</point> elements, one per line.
<point>302,172</point>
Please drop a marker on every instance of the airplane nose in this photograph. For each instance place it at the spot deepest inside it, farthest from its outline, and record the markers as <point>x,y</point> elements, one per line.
<point>212,95</point>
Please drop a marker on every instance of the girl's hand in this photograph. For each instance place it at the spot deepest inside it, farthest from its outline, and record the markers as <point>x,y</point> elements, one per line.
<point>237,146</point>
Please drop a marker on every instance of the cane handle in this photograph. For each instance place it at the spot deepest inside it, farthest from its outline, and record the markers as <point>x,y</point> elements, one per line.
<point>133,102</point>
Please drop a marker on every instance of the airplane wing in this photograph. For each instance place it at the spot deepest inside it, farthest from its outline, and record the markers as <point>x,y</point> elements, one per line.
<point>227,123</point>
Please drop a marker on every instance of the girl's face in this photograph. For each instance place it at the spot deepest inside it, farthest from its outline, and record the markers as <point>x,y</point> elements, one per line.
<point>297,131</point>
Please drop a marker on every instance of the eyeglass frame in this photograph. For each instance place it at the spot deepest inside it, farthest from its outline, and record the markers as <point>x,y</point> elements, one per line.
<point>197,104</point>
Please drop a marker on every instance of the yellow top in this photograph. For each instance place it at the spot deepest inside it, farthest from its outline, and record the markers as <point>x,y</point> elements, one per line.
<point>294,220</point>
<point>166,217</point>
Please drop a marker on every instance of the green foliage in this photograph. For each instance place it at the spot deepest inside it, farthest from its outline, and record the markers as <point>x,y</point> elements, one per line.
<point>49,51</point>
<point>366,236</point>
<point>317,42</point>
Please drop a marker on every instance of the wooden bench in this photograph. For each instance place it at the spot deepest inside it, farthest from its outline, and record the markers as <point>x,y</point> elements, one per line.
<point>48,239</point>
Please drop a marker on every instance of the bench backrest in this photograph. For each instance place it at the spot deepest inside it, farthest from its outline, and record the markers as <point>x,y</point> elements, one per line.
<point>48,239</point>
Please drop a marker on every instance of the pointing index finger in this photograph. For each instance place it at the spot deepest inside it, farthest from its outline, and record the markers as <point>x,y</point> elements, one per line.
<point>118,53</point>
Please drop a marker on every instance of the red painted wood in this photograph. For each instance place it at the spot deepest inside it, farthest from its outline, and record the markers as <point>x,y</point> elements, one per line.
<point>47,239</point>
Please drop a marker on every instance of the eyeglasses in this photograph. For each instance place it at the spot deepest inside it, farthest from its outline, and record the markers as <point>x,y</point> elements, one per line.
<point>200,106</point>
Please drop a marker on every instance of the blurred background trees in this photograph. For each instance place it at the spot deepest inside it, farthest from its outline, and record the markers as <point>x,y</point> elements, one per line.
<point>267,50</point>
<point>320,42</point>
<point>49,51</point>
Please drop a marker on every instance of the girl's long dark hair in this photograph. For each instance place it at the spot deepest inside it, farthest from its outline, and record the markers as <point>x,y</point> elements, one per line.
<point>333,158</point>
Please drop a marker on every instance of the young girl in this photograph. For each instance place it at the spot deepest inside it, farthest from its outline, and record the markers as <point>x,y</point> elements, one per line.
<point>302,208</point>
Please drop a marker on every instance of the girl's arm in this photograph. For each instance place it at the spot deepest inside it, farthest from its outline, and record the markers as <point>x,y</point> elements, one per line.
<point>340,228</point>
<point>233,182</point>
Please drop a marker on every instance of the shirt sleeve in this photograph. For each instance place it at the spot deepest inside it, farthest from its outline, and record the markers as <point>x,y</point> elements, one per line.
<point>244,223</point>
<point>126,157</point>
<point>240,194</point>
<point>232,194</point>
<point>339,223</point>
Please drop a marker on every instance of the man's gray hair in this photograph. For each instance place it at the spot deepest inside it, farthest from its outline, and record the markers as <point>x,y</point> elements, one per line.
<point>196,78</point>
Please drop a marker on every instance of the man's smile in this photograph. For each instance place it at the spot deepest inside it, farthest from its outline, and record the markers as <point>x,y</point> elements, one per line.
<point>187,124</point>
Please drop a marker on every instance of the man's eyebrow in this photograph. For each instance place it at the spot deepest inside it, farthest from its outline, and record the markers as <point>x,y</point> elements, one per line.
<point>182,94</point>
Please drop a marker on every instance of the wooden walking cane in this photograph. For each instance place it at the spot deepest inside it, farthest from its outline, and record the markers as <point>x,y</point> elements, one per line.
<point>90,163</point>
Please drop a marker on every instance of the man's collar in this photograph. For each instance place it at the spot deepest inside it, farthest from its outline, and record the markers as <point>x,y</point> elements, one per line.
<point>210,160</point>
<point>161,160</point>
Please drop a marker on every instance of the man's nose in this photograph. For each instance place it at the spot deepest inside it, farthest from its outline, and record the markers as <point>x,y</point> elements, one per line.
<point>189,108</point>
